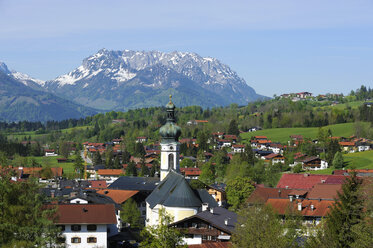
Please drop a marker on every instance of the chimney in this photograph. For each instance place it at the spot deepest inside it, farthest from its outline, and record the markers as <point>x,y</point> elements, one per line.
<point>212,210</point>
<point>205,206</point>
<point>299,206</point>
<point>312,207</point>
<point>226,221</point>
<point>286,187</point>
<point>291,198</point>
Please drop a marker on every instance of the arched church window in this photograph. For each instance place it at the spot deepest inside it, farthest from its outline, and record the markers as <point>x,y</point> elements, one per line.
<point>170,161</point>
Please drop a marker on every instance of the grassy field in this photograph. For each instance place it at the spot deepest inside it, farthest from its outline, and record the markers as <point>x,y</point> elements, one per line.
<point>21,135</point>
<point>358,160</point>
<point>282,134</point>
<point>68,168</point>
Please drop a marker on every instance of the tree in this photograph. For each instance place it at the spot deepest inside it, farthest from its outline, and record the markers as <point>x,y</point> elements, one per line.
<point>144,170</point>
<point>162,235</point>
<point>109,163</point>
<point>24,222</point>
<point>131,169</point>
<point>248,155</point>
<point>202,141</point>
<point>238,190</point>
<point>259,227</point>
<point>79,165</point>
<point>333,148</point>
<point>237,168</point>
<point>131,213</point>
<point>64,149</point>
<point>186,163</point>
<point>346,213</point>
<point>46,172</point>
<point>96,158</point>
<point>207,173</point>
<point>117,164</point>
<point>338,160</point>
<point>233,128</point>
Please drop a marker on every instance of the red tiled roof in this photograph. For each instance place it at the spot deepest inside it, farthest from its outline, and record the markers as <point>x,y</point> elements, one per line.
<point>86,214</point>
<point>191,171</point>
<point>229,136</point>
<point>345,143</point>
<point>238,146</point>
<point>321,208</point>
<point>260,137</point>
<point>324,191</point>
<point>110,172</point>
<point>261,195</point>
<point>98,184</point>
<point>119,196</point>
<point>306,181</point>
<point>274,155</point>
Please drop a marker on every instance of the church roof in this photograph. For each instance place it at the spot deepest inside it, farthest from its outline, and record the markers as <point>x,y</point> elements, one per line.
<point>174,191</point>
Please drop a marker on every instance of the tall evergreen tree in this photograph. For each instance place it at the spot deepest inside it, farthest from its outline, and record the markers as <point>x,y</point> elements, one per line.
<point>346,213</point>
<point>233,128</point>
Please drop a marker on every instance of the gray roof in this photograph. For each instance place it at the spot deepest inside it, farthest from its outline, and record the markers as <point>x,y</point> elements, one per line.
<point>135,183</point>
<point>174,191</point>
<point>216,219</point>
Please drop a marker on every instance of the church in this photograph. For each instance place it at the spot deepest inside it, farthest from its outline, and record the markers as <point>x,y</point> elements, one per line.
<point>173,193</point>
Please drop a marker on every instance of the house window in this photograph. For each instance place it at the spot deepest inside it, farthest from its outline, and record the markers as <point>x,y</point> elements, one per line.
<point>75,240</point>
<point>143,212</point>
<point>91,240</point>
<point>91,227</point>
<point>170,161</point>
<point>76,228</point>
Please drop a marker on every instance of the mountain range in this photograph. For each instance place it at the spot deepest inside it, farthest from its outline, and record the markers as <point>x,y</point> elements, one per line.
<point>122,80</point>
<point>21,100</point>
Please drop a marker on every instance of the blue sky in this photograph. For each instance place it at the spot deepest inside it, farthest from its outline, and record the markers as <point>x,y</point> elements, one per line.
<point>277,46</point>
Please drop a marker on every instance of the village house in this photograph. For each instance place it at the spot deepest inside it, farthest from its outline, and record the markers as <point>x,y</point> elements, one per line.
<point>314,163</point>
<point>237,148</point>
<point>196,122</point>
<point>304,95</point>
<point>86,225</point>
<point>275,158</point>
<point>217,191</point>
<point>109,175</point>
<point>213,224</point>
<point>307,181</point>
<point>260,144</point>
<point>276,148</point>
<point>223,143</point>
<point>50,153</point>
<point>231,137</point>
<point>141,139</point>
<point>347,146</point>
<point>363,146</point>
<point>191,173</point>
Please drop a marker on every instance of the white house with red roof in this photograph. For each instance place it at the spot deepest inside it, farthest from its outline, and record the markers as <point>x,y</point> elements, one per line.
<point>86,225</point>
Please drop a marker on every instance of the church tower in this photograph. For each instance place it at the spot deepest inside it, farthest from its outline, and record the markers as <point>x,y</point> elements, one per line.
<point>170,146</point>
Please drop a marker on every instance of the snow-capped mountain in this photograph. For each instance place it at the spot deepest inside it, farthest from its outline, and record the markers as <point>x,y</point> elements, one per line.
<point>126,79</point>
<point>23,78</point>
<point>20,100</point>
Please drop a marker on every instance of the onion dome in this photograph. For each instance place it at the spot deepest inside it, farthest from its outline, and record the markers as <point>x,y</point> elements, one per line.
<point>170,131</point>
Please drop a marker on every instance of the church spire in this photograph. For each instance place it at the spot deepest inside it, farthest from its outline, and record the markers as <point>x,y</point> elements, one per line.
<point>170,131</point>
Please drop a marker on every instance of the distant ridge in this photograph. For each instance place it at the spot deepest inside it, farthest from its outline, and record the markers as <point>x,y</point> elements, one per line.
<point>121,80</point>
